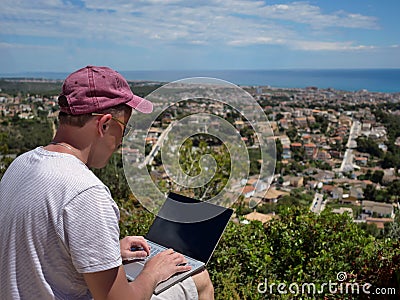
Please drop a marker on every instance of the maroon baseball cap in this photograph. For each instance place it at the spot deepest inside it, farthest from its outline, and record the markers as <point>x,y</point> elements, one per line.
<point>92,89</point>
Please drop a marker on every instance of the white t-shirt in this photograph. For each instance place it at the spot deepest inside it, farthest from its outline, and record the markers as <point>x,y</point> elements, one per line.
<point>57,221</point>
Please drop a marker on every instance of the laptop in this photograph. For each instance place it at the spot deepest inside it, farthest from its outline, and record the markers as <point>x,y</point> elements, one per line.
<point>172,228</point>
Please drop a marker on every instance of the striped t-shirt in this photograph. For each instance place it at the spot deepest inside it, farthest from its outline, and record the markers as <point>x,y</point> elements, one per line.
<point>57,221</point>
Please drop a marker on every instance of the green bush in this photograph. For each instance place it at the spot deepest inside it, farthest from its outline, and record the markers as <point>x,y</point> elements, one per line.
<point>299,247</point>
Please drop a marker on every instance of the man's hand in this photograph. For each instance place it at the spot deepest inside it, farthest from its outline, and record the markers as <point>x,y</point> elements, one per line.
<point>112,284</point>
<point>138,242</point>
<point>165,264</point>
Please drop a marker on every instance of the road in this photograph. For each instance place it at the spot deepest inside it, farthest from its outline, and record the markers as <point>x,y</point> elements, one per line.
<point>156,147</point>
<point>347,163</point>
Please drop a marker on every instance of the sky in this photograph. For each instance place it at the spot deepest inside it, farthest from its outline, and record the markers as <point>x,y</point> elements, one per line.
<point>139,35</point>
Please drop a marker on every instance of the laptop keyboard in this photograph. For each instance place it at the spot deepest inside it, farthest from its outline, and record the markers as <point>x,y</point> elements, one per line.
<point>155,249</point>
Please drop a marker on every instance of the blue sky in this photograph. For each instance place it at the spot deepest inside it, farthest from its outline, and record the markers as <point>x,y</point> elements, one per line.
<point>63,35</point>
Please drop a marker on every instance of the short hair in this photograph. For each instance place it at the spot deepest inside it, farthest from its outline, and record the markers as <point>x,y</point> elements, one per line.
<point>81,120</point>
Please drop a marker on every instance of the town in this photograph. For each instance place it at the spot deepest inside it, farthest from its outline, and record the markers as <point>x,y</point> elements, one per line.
<point>334,149</point>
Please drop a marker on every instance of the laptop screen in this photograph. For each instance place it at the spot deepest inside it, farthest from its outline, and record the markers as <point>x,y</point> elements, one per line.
<point>195,239</point>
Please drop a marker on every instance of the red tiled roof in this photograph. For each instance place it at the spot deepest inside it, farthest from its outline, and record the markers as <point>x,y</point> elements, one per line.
<point>248,189</point>
<point>296,144</point>
<point>310,145</point>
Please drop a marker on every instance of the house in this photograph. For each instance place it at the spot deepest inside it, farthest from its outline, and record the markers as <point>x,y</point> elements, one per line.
<point>342,210</point>
<point>346,199</point>
<point>248,191</point>
<point>301,122</point>
<point>260,185</point>
<point>361,161</point>
<point>284,123</point>
<point>272,195</point>
<point>310,120</point>
<point>286,153</point>
<point>306,138</point>
<point>346,121</point>
<point>323,155</point>
<point>296,181</point>
<point>295,145</point>
<point>382,210</point>
<point>356,192</point>
<point>389,175</point>
<point>310,150</point>
<point>239,124</point>
<point>256,216</point>
<point>327,188</point>
<point>312,184</point>
<point>337,193</point>
<point>324,176</point>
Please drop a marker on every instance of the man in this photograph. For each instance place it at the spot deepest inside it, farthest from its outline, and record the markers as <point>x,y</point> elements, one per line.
<point>59,236</point>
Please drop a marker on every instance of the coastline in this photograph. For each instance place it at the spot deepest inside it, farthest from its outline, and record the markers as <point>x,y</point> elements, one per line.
<point>372,80</point>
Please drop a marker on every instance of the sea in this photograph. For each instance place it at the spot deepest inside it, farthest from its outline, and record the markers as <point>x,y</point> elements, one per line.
<point>373,80</point>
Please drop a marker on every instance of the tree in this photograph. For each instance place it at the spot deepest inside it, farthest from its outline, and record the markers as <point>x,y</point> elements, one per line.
<point>370,192</point>
<point>292,134</point>
<point>377,176</point>
<point>114,177</point>
<point>279,116</point>
<point>299,247</point>
<point>368,145</point>
<point>279,150</point>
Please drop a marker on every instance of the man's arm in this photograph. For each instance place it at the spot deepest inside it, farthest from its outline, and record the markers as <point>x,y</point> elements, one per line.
<point>112,284</point>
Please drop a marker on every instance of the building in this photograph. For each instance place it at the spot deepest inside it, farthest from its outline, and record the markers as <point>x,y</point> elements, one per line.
<point>296,181</point>
<point>342,210</point>
<point>256,216</point>
<point>337,193</point>
<point>310,150</point>
<point>379,209</point>
<point>286,153</point>
<point>248,191</point>
<point>361,161</point>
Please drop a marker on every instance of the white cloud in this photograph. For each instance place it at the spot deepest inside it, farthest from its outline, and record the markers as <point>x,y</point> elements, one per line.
<point>328,46</point>
<point>213,22</point>
<point>17,46</point>
<point>304,13</point>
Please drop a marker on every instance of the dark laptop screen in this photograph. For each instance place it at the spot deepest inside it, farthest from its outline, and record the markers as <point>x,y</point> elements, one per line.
<point>195,239</point>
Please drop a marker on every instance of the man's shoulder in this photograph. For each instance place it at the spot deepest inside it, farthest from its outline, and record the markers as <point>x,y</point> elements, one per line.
<point>63,168</point>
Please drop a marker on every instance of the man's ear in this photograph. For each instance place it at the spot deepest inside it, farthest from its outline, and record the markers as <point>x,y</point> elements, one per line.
<point>103,124</point>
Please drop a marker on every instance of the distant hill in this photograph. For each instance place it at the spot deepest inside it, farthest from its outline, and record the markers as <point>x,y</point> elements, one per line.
<point>24,86</point>
<point>51,87</point>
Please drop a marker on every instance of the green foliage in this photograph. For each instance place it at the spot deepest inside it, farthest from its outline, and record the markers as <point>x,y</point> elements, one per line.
<point>5,161</point>
<point>292,134</point>
<point>368,145</point>
<point>391,159</point>
<point>113,176</point>
<point>279,150</point>
<point>323,123</point>
<point>240,261</point>
<point>16,87</point>
<point>21,135</point>
<point>254,157</point>
<point>298,247</point>
<point>190,155</point>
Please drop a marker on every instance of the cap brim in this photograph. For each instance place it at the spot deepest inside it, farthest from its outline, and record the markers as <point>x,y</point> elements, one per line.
<point>140,104</point>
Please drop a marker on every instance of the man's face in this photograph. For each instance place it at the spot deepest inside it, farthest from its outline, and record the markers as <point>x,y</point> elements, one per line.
<point>111,139</point>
